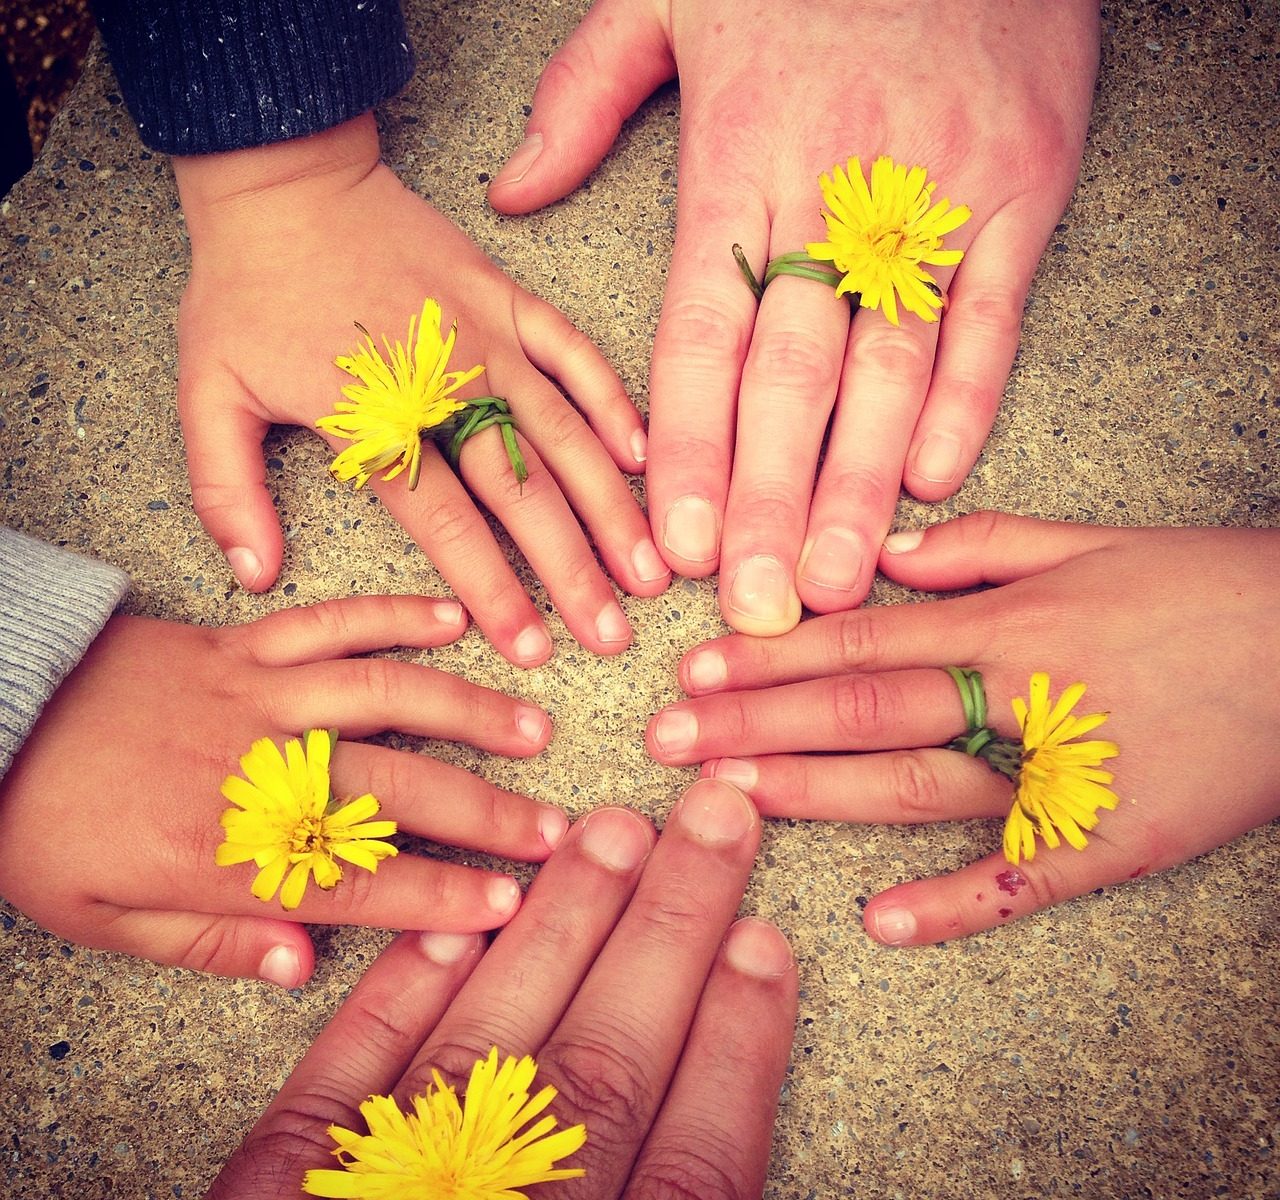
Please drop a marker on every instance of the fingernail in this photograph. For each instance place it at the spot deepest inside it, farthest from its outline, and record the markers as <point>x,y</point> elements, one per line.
<point>715,812</point>
<point>611,625</point>
<point>615,839</point>
<point>504,896</point>
<point>445,949</point>
<point>281,966</point>
<point>736,771</point>
<point>902,543</point>
<point>761,590</point>
<point>552,826</point>
<point>532,645</point>
<point>640,446</point>
<point>647,562</point>
<point>675,730</point>
<point>532,723</point>
<point>690,530</point>
<point>706,670</point>
<point>938,460</point>
<point>517,166</point>
<point>755,947</point>
<point>245,565</point>
<point>449,612</point>
<point>893,926</point>
<point>833,560</point>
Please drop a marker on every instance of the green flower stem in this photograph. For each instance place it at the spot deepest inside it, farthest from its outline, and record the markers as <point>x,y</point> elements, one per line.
<point>747,273</point>
<point>481,414</point>
<point>798,263</point>
<point>1003,755</point>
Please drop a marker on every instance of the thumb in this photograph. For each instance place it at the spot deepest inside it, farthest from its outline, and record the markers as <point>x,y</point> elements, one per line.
<point>277,952</point>
<point>613,60</point>
<point>228,477</point>
<point>987,547</point>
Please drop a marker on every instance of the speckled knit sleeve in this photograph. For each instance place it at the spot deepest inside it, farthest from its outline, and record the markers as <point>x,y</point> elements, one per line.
<point>52,605</point>
<point>201,76</point>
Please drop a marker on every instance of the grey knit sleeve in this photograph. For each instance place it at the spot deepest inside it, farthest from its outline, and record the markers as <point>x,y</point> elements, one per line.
<point>201,76</point>
<point>52,605</point>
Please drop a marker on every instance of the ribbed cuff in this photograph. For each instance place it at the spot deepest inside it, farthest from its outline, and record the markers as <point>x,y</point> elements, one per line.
<point>52,605</point>
<point>200,77</point>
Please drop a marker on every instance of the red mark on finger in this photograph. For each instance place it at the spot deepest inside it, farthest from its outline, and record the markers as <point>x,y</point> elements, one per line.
<point>1138,872</point>
<point>978,896</point>
<point>1006,913</point>
<point>1011,881</point>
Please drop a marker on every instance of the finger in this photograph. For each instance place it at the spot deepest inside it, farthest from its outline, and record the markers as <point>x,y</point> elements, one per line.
<point>354,625</point>
<point>987,547</point>
<point>244,947</point>
<point>715,1130</point>
<point>541,523</point>
<point>886,710</point>
<point>364,696</point>
<point>585,477</point>
<point>991,892</point>
<point>613,1055</point>
<point>936,633</point>
<point>572,908</point>
<point>978,340</point>
<point>447,804</point>
<point>444,521</point>
<point>223,438</point>
<point>698,353</point>
<point>566,354</point>
<point>360,1053</point>
<point>788,390</point>
<point>882,389</point>
<point>612,61</point>
<point>901,787</point>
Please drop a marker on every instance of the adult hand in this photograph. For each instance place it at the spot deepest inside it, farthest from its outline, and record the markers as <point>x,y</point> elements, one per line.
<point>293,243</point>
<point>1170,629</point>
<point>109,816</point>
<point>992,99</point>
<point>668,1037</point>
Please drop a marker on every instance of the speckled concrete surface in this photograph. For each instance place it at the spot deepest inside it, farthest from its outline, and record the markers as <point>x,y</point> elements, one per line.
<point>1124,1045</point>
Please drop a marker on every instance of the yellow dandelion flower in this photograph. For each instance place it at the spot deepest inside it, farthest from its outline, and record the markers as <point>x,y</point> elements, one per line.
<point>285,820</point>
<point>879,235</point>
<point>1060,783</point>
<point>397,399</point>
<point>446,1150</point>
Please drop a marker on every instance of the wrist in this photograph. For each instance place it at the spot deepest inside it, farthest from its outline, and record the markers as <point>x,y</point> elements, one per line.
<point>234,185</point>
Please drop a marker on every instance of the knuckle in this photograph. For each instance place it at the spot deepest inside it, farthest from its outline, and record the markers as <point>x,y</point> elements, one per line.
<point>703,327</point>
<point>669,918</point>
<point>213,499</point>
<point>771,506</point>
<point>992,314</point>
<point>794,360</point>
<point>696,1169</point>
<point>916,788</point>
<point>209,947</point>
<point>559,426</point>
<point>602,1084</point>
<point>985,527</point>
<point>857,640</point>
<point>881,351</point>
<point>385,1028</point>
<point>454,522</point>
<point>862,489</point>
<point>863,705</point>
<point>331,620</point>
<point>451,1060</point>
<point>382,681</point>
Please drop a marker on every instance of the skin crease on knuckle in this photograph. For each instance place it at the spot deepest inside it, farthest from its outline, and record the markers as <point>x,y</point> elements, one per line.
<point>698,1167</point>
<point>916,789</point>
<point>602,1085</point>
<point>701,334</point>
<point>864,705</point>
<point>791,362</point>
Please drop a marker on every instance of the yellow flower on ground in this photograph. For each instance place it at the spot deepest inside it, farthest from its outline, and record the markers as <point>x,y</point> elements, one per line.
<point>1060,783</point>
<point>286,820</point>
<point>397,399</point>
<point>446,1150</point>
<point>879,235</point>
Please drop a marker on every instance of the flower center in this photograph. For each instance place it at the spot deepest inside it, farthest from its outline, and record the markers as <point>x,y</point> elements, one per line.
<point>308,836</point>
<point>887,244</point>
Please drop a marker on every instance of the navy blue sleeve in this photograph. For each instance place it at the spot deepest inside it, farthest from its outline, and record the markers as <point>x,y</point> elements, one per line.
<point>201,76</point>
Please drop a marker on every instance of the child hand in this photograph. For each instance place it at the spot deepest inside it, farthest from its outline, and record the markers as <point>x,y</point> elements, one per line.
<point>664,1027</point>
<point>291,245</point>
<point>1176,633</point>
<point>109,816</point>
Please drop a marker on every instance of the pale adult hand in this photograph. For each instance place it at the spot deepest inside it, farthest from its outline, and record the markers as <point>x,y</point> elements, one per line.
<point>992,99</point>
<point>292,244</point>
<point>665,1034</point>
<point>1175,632</point>
<point>109,816</point>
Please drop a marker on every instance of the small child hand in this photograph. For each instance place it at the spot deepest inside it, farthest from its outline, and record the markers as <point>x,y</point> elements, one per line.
<point>109,816</point>
<point>292,244</point>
